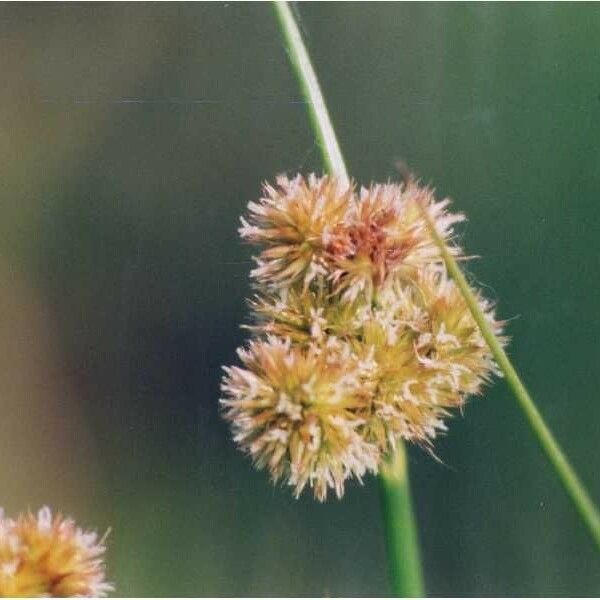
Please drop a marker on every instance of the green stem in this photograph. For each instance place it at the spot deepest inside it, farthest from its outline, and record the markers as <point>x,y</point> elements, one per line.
<point>399,523</point>
<point>307,78</point>
<point>571,482</point>
<point>400,528</point>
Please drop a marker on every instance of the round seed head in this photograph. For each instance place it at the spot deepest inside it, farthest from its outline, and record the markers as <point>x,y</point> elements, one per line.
<point>291,221</point>
<point>42,555</point>
<point>430,354</point>
<point>298,411</point>
<point>385,236</point>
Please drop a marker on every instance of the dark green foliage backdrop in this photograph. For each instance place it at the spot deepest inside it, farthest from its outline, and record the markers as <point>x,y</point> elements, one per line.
<point>132,137</point>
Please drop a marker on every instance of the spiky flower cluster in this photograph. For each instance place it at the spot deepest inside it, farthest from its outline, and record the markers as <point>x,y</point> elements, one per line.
<point>360,337</point>
<point>42,555</point>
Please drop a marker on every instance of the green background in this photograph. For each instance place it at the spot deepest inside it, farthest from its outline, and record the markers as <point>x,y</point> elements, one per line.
<point>132,137</point>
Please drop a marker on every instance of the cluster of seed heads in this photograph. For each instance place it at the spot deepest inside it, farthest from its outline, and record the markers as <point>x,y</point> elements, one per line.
<point>359,338</point>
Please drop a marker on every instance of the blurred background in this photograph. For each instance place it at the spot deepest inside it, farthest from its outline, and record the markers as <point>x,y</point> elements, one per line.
<point>133,135</point>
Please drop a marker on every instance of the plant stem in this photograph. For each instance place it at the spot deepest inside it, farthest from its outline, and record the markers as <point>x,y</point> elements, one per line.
<point>399,523</point>
<point>571,482</point>
<point>400,529</point>
<point>307,78</point>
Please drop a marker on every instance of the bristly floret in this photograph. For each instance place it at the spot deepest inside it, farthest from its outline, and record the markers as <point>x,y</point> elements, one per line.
<point>305,315</point>
<point>385,236</point>
<point>291,221</point>
<point>42,556</point>
<point>298,412</point>
<point>430,354</point>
